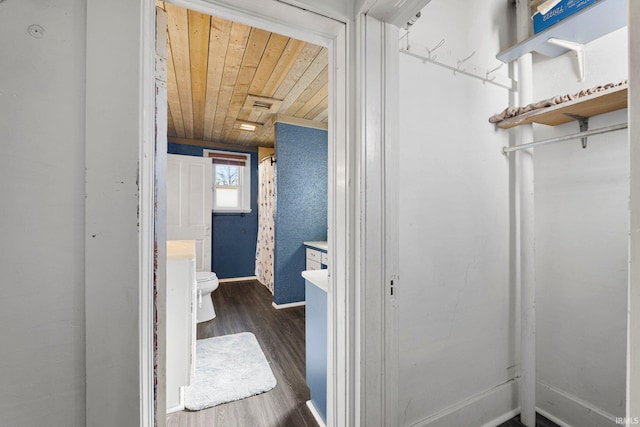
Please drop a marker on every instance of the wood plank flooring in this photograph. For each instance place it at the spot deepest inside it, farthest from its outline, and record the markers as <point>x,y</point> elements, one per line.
<point>246,307</point>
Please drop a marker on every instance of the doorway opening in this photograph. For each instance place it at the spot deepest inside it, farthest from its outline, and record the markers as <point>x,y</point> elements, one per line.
<point>312,80</point>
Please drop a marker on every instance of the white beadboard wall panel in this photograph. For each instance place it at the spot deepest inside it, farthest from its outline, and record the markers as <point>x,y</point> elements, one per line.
<point>42,359</point>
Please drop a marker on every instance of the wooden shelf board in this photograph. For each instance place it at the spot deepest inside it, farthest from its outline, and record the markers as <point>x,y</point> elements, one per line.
<point>594,21</point>
<point>586,106</point>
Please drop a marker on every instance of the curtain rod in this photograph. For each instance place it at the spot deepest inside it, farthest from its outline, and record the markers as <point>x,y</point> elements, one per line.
<point>271,157</point>
<point>606,129</point>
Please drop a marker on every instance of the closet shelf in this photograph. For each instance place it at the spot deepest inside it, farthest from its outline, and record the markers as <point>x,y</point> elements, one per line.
<point>594,21</point>
<point>586,106</point>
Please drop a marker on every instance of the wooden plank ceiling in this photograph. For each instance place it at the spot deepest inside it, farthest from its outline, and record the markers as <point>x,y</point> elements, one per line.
<point>221,74</point>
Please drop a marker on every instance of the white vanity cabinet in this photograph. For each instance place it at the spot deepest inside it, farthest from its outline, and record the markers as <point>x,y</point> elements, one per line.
<point>316,255</point>
<point>181,319</point>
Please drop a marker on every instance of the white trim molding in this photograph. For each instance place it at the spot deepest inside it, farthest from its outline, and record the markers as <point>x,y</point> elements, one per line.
<point>281,118</point>
<point>567,409</point>
<point>494,403</point>
<point>316,414</point>
<point>288,305</point>
<point>377,256</point>
<point>147,229</point>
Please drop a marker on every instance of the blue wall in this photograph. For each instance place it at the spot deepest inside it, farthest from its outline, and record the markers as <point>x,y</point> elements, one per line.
<point>316,346</point>
<point>301,204</point>
<point>233,236</point>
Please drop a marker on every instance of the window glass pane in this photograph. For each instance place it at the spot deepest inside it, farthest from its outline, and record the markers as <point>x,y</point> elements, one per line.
<point>226,197</point>
<point>231,181</point>
<point>227,175</point>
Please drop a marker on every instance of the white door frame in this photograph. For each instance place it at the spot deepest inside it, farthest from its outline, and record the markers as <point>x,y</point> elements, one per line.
<point>119,252</point>
<point>293,22</point>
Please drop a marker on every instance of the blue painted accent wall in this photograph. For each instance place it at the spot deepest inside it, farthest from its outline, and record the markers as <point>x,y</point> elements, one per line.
<point>301,204</point>
<point>233,236</point>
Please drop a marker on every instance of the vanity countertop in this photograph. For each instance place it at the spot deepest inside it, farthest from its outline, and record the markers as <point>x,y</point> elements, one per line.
<point>318,245</point>
<point>320,278</point>
<point>181,249</point>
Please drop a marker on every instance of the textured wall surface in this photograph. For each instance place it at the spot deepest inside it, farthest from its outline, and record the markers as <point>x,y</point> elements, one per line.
<point>301,204</point>
<point>234,236</point>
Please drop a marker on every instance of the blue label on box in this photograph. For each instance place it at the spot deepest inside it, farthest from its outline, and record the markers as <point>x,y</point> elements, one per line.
<point>562,10</point>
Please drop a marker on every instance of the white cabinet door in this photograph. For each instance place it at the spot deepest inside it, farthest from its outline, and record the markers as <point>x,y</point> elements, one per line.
<point>181,324</point>
<point>189,181</point>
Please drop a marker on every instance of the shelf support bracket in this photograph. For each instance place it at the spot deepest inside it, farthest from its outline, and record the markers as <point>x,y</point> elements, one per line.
<point>584,126</point>
<point>577,48</point>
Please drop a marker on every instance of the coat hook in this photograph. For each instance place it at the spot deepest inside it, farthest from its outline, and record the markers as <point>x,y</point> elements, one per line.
<point>493,71</point>
<point>436,47</point>
<point>462,61</point>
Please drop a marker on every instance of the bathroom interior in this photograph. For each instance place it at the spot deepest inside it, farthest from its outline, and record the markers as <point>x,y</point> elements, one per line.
<point>246,213</point>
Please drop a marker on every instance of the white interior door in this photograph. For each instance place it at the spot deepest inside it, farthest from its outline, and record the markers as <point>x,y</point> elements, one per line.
<point>189,181</point>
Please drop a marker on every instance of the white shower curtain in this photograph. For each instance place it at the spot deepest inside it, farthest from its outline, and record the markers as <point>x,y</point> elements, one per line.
<point>266,222</point>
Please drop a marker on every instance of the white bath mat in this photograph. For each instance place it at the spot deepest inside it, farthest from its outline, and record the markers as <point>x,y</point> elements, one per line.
<point>228,368</point>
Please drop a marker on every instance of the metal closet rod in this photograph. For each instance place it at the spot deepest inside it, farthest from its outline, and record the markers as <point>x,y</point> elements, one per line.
<point>606,129</point>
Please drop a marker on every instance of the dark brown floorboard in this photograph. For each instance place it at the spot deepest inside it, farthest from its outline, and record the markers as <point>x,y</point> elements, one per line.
<point>540,422</point>
<point>246,307</point>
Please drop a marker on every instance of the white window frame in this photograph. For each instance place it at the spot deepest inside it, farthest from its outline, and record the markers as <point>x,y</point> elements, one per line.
<point>244,183</point>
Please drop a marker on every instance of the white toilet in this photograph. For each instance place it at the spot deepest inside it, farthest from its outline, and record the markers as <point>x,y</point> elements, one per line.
<point>207,282</point>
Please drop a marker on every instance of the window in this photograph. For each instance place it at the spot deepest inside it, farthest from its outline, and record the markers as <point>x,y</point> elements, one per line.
<point>231,181</point>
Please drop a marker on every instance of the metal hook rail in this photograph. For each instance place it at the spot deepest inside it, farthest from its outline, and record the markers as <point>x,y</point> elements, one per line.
<point>580,135</point>
<point>503,82</point>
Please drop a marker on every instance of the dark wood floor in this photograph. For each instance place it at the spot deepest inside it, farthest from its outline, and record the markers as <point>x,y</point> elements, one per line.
<point>540,422</point>
<point>246,307</point>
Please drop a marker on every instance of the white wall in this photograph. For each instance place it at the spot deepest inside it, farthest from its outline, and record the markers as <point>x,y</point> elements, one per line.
<point>42,361</point>
<point>581,199</point>
<point>455,299</point>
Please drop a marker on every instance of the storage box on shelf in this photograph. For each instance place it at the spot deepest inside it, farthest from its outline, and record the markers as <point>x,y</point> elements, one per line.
<point>562,10</point>
<point>587,24</point>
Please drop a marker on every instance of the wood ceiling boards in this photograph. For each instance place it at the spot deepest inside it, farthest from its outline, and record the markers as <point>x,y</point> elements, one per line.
<point>221,74</point>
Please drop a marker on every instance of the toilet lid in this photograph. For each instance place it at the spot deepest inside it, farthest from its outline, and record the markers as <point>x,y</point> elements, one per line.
<point>203,276</point>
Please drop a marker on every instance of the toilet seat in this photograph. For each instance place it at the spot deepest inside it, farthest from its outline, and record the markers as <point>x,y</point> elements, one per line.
<point>206,282</point>
<point>205,276</point>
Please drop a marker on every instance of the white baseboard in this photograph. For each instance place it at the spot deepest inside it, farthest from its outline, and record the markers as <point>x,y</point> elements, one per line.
<point>568,410</point>
<point>237,279</point>
<point>494,404</point>
<point>289,305</point>
<point>551,417</point>
<point>502,418</point>
<point>316,414</point>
